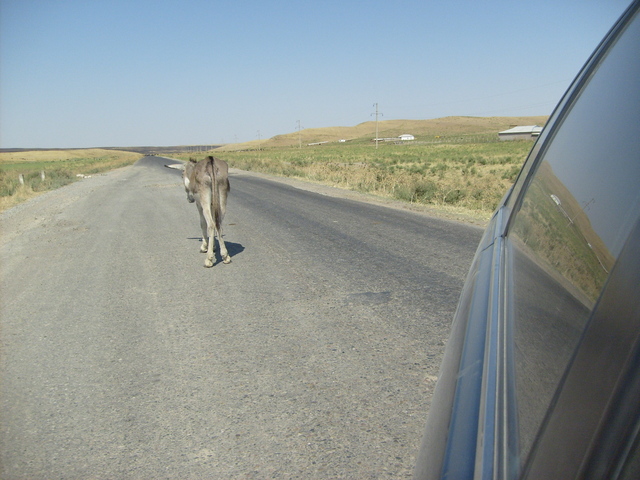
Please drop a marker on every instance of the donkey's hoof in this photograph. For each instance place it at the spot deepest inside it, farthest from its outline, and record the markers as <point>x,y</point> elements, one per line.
<point>208,263</point>
<point>226,259</point>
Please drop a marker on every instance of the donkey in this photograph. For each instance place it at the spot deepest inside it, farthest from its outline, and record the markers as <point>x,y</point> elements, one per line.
<point>207,184</point>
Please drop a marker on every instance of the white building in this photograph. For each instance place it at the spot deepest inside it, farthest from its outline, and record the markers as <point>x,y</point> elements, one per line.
<point>406,137</point>
<point>529,132</point>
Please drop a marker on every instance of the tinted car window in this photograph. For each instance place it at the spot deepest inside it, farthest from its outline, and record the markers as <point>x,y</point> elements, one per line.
<point>570,226</point>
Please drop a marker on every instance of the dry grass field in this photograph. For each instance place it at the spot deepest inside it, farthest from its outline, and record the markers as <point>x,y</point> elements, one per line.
<point>469,176</point>
<point>59,167</point>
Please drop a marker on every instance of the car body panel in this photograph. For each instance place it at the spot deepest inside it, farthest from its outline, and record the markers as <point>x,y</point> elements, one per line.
<point>544,343</point>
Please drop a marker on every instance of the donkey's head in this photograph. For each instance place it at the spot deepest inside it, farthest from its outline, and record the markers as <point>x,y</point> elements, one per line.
<point>188,169</point>
<point>187,177</point>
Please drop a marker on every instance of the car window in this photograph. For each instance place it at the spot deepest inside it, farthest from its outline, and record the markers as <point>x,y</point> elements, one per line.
<point>570,226</point>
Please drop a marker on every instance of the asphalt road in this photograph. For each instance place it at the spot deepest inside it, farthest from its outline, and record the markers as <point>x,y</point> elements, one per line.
<point>312,355</point>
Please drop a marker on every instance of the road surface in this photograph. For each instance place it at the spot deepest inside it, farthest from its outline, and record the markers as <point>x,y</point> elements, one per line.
<point>312,355</point>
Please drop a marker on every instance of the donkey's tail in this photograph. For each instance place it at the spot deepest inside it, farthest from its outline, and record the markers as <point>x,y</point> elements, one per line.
<point>216,208</point>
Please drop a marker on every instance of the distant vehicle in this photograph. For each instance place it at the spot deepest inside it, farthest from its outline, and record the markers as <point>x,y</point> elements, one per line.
<point>541,374</point>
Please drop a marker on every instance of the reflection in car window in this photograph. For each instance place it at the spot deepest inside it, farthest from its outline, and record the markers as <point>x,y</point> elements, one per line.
<point>570,227</point>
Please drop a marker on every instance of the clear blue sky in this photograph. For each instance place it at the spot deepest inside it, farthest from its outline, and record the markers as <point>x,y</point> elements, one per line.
<point>140,72</point>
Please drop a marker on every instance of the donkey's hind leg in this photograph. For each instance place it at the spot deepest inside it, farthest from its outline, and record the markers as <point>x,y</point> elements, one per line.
<point>203,227</point>
<point>210,231</point>
<point>226,258</point>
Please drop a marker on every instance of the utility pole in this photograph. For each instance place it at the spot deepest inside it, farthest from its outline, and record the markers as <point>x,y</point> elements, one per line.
<point>299,136</point>
<point>259,143</point>
<point>376,114</point>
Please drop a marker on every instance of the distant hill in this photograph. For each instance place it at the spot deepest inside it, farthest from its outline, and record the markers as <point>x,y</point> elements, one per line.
<point>421,129</point>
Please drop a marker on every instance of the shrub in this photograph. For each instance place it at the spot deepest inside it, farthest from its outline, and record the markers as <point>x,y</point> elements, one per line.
<point>512,173</point>
<point>425,191</point>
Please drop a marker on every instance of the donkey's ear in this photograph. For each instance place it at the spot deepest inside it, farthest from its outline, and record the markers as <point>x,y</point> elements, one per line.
<point>192,160</point>
<point>176,166</point>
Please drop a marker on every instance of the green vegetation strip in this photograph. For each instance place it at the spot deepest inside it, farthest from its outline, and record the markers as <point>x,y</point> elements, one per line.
<point>472,176</point>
